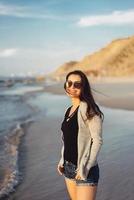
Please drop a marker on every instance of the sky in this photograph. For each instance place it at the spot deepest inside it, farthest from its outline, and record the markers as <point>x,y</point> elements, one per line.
<point>36,37</point>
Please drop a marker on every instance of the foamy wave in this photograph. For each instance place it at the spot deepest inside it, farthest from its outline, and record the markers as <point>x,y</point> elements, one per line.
<point>12,175</point>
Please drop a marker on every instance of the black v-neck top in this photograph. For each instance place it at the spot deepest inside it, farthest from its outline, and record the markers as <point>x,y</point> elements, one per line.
<point>69,128</point>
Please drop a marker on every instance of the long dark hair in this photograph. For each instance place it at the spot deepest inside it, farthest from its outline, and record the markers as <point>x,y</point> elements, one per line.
<point>86,95</point>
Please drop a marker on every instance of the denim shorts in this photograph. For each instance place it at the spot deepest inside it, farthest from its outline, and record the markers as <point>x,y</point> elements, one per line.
<point>70,172</point>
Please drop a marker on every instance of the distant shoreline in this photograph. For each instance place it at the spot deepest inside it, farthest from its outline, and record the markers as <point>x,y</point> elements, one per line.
<point>118,95</point>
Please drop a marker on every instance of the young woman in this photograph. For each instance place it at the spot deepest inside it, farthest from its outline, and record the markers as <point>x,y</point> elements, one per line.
<point>82,139</point>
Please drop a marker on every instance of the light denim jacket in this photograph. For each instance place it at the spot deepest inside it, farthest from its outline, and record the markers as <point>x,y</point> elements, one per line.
<point>89,141</point>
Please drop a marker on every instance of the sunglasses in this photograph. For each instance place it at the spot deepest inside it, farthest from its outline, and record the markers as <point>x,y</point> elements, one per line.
<point>76,84</point>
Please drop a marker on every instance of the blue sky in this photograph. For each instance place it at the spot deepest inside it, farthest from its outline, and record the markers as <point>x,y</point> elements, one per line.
<point>38,36</point>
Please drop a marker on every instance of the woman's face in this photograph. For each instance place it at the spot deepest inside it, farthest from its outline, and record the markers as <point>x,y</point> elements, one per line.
<point>73,86</point>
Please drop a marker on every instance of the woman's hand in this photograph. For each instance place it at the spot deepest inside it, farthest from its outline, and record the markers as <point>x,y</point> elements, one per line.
<point>78,177</point>
<point>60,169</point>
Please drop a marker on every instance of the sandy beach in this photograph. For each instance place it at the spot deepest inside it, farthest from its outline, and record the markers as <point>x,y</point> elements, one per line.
<point>40,148</point>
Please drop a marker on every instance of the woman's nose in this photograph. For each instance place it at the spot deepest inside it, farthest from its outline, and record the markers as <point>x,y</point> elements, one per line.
<point>72,86</point>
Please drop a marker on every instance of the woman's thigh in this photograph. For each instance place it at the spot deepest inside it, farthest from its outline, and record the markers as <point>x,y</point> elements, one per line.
<point>71,188</point>
<point>86,192</point>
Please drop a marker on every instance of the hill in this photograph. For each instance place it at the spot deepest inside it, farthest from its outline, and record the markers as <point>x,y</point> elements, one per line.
<point>116,59</point>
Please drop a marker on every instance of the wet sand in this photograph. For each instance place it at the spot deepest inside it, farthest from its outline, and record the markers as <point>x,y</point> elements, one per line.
<point>40,153</point>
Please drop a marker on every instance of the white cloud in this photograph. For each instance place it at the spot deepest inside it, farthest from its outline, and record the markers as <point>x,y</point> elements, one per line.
<point>10,10</point>
<point>8,52</point>
<point>115,18</point>
<point>25,12</point>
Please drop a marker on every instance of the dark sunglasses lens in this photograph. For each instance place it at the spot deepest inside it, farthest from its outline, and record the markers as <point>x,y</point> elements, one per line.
<point>77,85</point>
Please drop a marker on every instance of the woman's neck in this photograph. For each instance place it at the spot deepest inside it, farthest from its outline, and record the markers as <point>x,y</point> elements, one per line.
<point>75,102</point>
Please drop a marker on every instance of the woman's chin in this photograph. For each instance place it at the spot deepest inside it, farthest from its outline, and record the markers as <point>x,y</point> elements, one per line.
<point>72,94</point>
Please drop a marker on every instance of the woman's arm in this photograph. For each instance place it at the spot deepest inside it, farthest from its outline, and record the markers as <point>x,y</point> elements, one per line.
<point>95,127</point>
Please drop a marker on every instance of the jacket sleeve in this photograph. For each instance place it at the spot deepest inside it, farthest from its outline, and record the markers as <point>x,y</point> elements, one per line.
<point>61,162</point>
<point>95,127</point>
